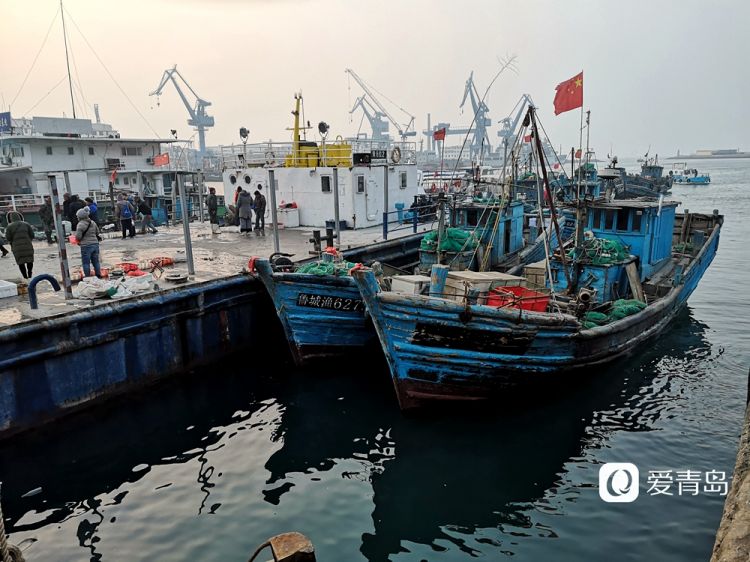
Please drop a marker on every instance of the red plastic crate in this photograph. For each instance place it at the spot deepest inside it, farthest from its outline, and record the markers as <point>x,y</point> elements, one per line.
<point>518,297</point>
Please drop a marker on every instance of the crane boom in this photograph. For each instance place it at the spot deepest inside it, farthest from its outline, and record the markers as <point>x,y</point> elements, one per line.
<point>198,117</point>
<point>403,132</point>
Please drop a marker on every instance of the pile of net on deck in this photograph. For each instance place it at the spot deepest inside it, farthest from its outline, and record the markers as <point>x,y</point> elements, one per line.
<point>618,310</point>
<point>453,240</point>
<point>600,251</point>
<point>340,269</point>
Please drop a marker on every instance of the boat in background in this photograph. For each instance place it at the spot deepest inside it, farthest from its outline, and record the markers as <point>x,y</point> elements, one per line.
<point>680,173</point>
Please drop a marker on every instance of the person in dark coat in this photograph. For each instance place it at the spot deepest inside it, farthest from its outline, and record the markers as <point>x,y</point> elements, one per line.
<point>75,205</point>
<point>213,210</point>
<point>47,218</point>
<point>20,234</point>
<point>260,211</point>
<point>66,207</point>
<point>145,210</point>
<point>245,206</point>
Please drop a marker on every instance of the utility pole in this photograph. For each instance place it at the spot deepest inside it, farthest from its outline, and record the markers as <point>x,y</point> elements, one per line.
<point>60,233</point>
<point>186,224</point>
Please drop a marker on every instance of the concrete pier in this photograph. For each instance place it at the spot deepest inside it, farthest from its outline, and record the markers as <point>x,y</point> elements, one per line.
<point>733,537</point>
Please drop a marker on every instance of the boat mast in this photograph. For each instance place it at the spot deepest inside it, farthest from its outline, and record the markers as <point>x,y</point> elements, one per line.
<point>550,198</point>
<point>67,59</point>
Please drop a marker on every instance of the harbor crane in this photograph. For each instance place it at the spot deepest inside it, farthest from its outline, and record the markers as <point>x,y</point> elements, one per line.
<point>509,124</point>
<point>377,120</point>
<point>480,140</point>
<point>403,132</point>
<point>198,117</point>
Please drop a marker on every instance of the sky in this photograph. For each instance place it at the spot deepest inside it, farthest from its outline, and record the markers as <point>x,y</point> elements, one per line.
<point>658,75</point>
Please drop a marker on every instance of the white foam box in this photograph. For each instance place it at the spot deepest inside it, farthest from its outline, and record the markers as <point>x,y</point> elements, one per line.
<point>484,281</point>
<point>535,273</point>
<point>290,217</point>
<point>409,284</point>
<point>8,289</point>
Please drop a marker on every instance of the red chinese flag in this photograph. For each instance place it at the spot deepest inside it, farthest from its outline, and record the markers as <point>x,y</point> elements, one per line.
<point>439,134</point>
<point>527,138</point>
<point>161,159</point>
<point>569,94</point>
<point>578,153</point>
<point>113,176</point>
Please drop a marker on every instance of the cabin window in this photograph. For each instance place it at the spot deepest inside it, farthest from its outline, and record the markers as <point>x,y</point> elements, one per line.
<point>16,151</point>
<point>402,180</point>
<point>49,151</point>
<point>91,151</point>
<point>596,218</point>
<point>609,220</point>
<point>325,184</point>
<point>360,184</point>
<point>637,217</point>
<point>622,219</point>
<point>117,181</point>
<point>125,180</point>
<point>71,151</point>
<point>132,151</point>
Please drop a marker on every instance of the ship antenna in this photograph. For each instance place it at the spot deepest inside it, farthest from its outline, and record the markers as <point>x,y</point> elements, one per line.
<point>67,59</point>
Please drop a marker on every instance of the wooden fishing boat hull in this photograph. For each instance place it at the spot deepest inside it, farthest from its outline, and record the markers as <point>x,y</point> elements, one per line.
<point>322,316</point>
<point>439,349</point>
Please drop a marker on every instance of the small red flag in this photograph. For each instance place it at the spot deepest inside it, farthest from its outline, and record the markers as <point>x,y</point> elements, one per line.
<point>113,176</point>
<point>161,159</point>
<point>439,134</point>
<point>578,153</point>
<point>569,94</point>
<point>527,138</point>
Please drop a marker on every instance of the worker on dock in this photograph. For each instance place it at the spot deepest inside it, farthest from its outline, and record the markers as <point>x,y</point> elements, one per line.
<point>124,212</point>
<point>87,234</point>
<point>93,209</point>
<point>66,207</point>
<point>245,206</point>
<point>75,205</point>
<point>260,211</point>
<point>147,216</point>
<point>213,210</point>
<point>47,218</point>
<point>20,234</point>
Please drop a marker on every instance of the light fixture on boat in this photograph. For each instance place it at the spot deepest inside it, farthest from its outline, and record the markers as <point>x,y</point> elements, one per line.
<point>323,129</point>
<point>244,133</point>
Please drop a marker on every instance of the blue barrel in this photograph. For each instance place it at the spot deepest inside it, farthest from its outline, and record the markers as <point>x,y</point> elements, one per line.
<point>160,216</point>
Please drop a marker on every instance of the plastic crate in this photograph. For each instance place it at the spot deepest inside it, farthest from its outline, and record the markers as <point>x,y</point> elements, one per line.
<point>8,289</point>
<point>518,297</point>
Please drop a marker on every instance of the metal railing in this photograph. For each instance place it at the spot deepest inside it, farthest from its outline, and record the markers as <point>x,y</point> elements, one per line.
<point>408,218</point>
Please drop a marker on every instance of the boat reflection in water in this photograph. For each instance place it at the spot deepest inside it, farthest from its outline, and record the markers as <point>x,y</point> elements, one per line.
<point>244,457</point>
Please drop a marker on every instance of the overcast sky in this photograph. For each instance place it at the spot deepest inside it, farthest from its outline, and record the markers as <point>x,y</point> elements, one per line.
<point>672,75</point>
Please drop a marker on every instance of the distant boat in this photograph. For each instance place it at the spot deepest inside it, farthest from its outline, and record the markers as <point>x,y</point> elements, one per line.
<point>680,173</point>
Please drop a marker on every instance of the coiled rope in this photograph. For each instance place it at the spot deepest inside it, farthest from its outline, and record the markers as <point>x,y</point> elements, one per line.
<point>8,552</point>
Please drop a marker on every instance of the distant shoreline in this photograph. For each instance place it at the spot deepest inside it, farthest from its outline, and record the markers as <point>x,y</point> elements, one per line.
<point>710,156</point>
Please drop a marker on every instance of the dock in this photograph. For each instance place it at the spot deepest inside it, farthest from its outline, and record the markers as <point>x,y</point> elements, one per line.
<point>69,354</point>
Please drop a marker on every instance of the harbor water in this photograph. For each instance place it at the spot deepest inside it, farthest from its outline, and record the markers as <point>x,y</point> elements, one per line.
<point>208,465</point>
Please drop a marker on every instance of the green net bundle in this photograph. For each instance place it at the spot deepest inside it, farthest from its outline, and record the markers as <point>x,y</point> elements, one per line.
<point>619,309</point>
<point>454,240</point>
<point>686,248</point>
<point>600,251</point>
<point>321,268</point>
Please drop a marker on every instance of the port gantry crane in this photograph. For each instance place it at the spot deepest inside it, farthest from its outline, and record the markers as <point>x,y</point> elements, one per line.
<point>198,117</point>
<point>508,131</point>
<point>480,141</point>
<point>378,124</point>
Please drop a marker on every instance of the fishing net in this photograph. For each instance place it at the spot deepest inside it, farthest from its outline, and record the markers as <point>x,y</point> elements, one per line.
<point>600,251</point>
<point>340,269</point>
<point>618,310</point>
<point>454,240</point>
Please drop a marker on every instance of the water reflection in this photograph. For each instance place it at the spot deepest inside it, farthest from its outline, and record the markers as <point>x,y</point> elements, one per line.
<point>436,479</point>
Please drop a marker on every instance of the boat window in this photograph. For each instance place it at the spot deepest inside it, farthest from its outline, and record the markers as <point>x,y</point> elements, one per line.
<point>71,150</point>
<point>402,180</point>
<point>472,217</point>
<point>91,151</point>
<point>609,220</point>
<point>16,151</point>
<point>49,150</point>
<point>325,184</point>
<point>622,219</point>
<point>597,218</point>
<point>125,180</point>
<point>360,184</point>
<point>637,216</point>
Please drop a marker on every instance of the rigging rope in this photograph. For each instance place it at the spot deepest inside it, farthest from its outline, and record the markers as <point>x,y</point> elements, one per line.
<point>122,91</point>
<point>44,97</point>
<point>39,52</point>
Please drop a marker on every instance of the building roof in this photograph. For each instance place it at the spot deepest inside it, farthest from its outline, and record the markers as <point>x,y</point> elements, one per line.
<point>85,139</point>
<point>638,203</point>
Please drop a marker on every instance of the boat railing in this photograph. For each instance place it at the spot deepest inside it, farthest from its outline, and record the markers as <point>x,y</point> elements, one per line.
<point>21,203</point>
<point>407,219</point>
<point>330,153</point>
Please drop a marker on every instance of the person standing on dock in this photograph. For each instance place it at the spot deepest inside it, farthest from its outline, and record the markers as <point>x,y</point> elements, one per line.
<point>75,205</point>
<point>66,207</point>
<point>124,212</point>
<point>260,211</point>
<point>245,205</point>
<point>147,221</point>
<point>87,234</point>
<point>213,210</point>
<point>47,218</point>
<point>93,209</point>
<point>20,234</point>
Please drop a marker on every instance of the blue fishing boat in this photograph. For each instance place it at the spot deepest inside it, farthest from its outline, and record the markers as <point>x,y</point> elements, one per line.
<point>319,304</point>
<point>617,289</point>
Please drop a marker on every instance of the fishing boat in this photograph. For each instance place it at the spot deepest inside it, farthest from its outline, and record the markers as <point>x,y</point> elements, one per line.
<point>680,173</point>
<point>319,304</point>
<point>633,266</point>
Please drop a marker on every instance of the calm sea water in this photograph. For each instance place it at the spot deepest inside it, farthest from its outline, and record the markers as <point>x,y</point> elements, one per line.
<point>207,466</point>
